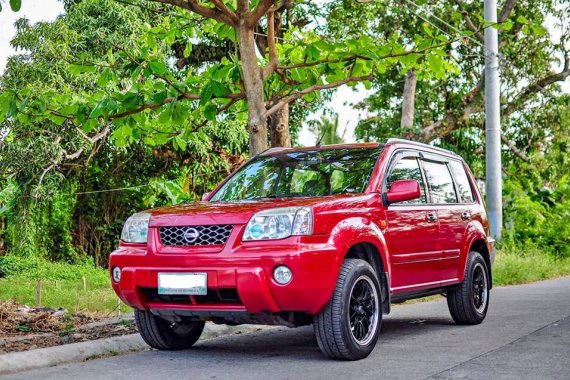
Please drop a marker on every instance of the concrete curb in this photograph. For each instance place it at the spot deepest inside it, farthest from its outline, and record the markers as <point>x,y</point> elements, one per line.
<point>76,352</point>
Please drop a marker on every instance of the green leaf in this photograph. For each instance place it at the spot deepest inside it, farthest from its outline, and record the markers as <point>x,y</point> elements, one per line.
<point>206,94</point>
<point>151,42</point>
<point>15,5</point>
<point>104,78</point>
<point>158,67</point>
<point>210,112</point>
<point>180,142</point>
<point>56,119</point>
<point>219,89</point>
<point>187,49</point>
<point>522,20</point>
<point>313,54</point>
<point>159,97</point>
<point>130,101</point>
<point>507,25</point>
<point>99,108</point>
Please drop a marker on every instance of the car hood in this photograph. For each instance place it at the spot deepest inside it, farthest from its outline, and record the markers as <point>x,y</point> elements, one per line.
<point>209,213</point>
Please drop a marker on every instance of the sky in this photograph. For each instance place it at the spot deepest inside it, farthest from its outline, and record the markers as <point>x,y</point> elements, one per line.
<point>47,10</point>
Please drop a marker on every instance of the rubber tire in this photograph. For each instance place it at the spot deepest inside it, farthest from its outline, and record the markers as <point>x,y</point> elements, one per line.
<point>331,324</point>
<point>158,333</point>
<point>459,300</point>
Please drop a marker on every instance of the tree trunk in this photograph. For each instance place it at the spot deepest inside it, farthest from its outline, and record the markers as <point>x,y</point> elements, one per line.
<point>408,99</point>
<point>279,127</point>
<point>253,82</point>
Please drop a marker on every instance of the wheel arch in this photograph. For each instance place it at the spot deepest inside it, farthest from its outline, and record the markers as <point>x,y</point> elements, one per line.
<point>479,245</point>
<point>370,253</point>
<point>363,239</point>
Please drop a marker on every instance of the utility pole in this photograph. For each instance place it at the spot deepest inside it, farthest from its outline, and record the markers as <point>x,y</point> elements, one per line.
<point>494,184</point>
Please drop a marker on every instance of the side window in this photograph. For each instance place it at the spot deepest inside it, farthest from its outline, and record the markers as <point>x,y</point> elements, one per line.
<point>440,182</point>
<point>462,181</point>
<point>408,168</point>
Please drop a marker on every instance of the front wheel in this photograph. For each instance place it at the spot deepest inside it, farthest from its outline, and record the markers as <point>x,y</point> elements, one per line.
<point>164,335</point>
<point>469,302</point>
<point>348,327</point>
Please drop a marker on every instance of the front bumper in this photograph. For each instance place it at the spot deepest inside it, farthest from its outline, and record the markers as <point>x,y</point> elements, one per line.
<point>241,269</point>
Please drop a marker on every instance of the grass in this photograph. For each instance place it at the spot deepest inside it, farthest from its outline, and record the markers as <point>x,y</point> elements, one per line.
<point>512,267</point>
<point>62,284</point>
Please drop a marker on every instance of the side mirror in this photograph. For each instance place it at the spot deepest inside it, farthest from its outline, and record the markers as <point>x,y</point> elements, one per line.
<point>205,196</point>
<point>404,190</point>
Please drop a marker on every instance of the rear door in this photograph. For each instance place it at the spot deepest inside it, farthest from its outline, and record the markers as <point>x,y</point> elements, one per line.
<point>450,213</point>
<point>412,230</point>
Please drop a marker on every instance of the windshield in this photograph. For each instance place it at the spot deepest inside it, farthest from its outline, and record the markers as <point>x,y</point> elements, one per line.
<point>304,173</point>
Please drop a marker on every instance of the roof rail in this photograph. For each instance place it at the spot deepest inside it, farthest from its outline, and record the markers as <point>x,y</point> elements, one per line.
<point>404,141</point>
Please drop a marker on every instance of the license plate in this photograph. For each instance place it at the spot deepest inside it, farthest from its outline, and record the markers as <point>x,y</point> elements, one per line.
<point>183,283</point>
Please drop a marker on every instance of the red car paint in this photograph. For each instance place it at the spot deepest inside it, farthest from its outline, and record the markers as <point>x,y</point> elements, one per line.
<point>422,248</point>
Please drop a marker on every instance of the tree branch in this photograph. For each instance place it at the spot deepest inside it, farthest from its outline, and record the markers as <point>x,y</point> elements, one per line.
<point>514,148</point>
<point>469,24</point>
<point>478,87</point>
<point>537,87</point>
<point>273,59</point>
<point>316,87</point>
<point>506,11</point>
<point>194,6</point>
<point>225,10</point>
<point>262,8</point>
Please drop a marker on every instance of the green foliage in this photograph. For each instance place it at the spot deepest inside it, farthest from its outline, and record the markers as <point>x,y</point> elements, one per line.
<point>32,268</point>
<point>140,94</point>
<point>527,264</point>
<point>539,217</point>
<point>59,208</point>
<point>62,284</point>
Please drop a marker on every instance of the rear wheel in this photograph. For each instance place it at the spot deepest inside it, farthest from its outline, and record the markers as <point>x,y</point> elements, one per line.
<point>164,335</point>
<point>469,302</point>
<point>348,327</point>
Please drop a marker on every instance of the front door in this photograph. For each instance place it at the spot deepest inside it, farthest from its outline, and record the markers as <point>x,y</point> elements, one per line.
<point>412,232</point>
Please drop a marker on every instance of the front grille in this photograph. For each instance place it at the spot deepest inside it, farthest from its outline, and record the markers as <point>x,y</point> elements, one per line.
<point>195,235</point>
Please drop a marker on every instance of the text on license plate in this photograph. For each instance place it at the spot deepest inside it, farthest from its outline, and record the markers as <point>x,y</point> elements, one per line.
<point>183,283</point>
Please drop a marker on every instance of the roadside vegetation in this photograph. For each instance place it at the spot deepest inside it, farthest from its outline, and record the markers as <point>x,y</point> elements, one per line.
<point>121,106</point>
<point>74,287</point>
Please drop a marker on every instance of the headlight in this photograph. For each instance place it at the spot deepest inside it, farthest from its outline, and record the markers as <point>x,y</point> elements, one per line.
<point>136,228</point>
<point>279,223</point>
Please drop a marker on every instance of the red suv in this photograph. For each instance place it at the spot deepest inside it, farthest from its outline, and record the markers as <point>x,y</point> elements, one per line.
<point>328,236</point>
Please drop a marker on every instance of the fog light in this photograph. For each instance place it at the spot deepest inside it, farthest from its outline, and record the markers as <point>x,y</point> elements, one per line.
<point>116,274</point>
<point>282,275</point>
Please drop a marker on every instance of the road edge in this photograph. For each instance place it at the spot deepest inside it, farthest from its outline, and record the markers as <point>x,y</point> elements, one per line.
<point>15,362</point>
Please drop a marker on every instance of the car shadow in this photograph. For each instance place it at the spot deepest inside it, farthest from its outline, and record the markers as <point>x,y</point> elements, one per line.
<point>296,343</point>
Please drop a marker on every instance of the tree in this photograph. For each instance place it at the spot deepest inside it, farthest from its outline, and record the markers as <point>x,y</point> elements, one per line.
<point>326,130</point>
<point>451,112</point>
<point>160,100</point>
<point>55,178</point>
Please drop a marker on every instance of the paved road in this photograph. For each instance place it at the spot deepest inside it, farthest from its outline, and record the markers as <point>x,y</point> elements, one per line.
<point>526,336</point>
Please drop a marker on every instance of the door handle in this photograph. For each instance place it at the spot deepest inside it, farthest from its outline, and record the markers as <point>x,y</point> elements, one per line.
<point>431,217</point>
<point>466,215</point>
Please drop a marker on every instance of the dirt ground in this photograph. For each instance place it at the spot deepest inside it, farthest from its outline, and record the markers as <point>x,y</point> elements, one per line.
<point>23,328</point>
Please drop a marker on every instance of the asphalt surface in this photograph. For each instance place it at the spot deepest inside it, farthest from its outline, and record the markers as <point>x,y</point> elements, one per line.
<point>526,336</point>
